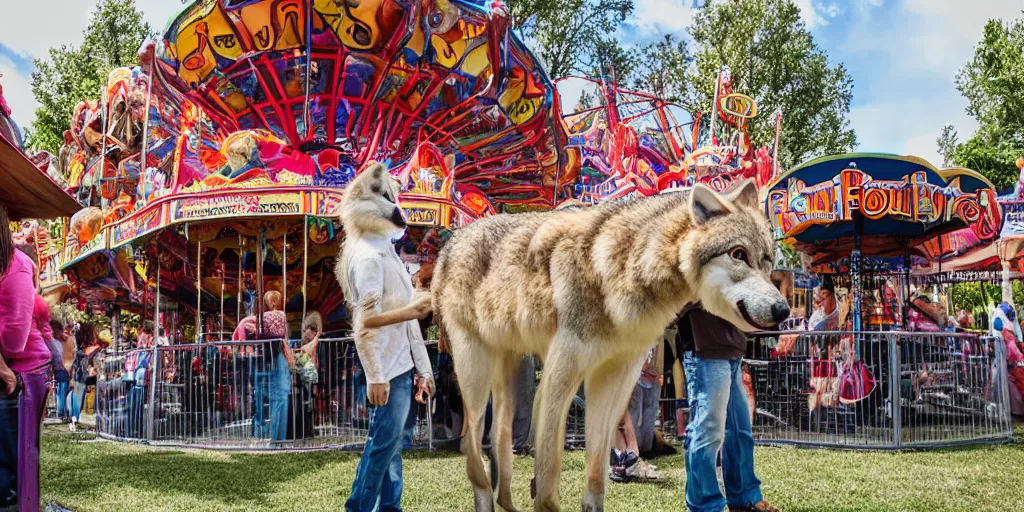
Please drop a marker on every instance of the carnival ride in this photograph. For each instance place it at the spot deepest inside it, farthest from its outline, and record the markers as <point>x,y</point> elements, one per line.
<point>883,368</point>
<point>213,171</point>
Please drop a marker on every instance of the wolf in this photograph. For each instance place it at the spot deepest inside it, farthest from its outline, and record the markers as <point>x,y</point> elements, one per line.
<point>590,290</point>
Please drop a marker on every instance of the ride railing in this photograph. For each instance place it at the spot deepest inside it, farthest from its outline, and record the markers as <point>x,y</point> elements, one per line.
<point>881,390</point>
<point>239,395</point>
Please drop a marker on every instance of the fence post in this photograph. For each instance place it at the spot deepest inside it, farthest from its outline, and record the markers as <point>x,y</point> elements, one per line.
<point>1005,420</point>
<point>894,391</point>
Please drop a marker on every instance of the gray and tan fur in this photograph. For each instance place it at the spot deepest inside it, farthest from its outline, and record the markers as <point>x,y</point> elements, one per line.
<point>589,291</point>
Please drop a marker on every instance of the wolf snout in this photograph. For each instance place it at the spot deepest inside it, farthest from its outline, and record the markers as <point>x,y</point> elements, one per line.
<point>396,217</point>
<point>780,312</point>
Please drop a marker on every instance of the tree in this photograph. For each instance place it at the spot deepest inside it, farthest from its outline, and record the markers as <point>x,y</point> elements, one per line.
<point>662,68</point>
<point>609,58</point>
<point>563,32</point>
<point>947,143</point>
<point>774,59</point>
<point>585,101</point>
<point>993,83</point>
<point>76,73</point>
<point>992,153</point>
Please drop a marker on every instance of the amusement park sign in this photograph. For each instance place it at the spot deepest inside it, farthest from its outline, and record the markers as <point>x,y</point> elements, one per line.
<point>796,206</point>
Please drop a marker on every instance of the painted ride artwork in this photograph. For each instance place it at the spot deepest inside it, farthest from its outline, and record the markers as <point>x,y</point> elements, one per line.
<point>198,198</point>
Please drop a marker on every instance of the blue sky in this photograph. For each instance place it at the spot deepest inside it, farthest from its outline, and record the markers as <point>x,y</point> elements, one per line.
<point>903,55</point>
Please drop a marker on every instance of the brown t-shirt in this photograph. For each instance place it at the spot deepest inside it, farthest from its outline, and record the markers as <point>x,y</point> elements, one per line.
<point>715,338</point>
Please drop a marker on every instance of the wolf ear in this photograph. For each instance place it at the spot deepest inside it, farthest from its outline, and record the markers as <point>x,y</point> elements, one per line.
<point>706,204</point>
<point>745,194</point>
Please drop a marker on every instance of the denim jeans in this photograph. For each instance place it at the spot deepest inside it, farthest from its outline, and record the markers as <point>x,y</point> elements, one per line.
<point>643,410</point>
<point>61,390</point>
<point>280,392</point>
<point>77,399</point>
<point>719,421</point>
<point>379,473</point>
<point>260,397</point>
<point>8,452</point>
<point>136,425</point>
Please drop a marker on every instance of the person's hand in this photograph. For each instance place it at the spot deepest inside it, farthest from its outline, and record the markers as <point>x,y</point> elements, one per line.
<point>424,389</point>
<point>378,394</point>
<point>8,379</point>
<point>422,304</point>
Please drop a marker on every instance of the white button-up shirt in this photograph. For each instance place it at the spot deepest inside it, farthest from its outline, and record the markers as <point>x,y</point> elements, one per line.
<point>382,283</point>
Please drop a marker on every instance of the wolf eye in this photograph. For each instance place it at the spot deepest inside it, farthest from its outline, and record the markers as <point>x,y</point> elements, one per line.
<point>740,253</point>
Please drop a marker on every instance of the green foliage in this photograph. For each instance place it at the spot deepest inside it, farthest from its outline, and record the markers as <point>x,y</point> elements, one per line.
<point>947,143</point>
<point>73,74</point>
<point>585,101</point>
<point>662,68</point>
<point>993,80</point>
<point>991,153</point>
<point>993,83</point>
<point>974,297</point>
<point>774,59</point>
<point>563,32</point>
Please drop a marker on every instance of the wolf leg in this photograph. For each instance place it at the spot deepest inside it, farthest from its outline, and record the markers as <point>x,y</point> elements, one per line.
<point>607,388</point>
<point>504,391</point>
<point>473,365</point>
<point>563,372</point>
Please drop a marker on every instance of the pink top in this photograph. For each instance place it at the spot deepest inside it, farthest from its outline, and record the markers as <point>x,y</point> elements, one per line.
<point>275,325</point>
<point>21,340</point>
<point>41,317</point>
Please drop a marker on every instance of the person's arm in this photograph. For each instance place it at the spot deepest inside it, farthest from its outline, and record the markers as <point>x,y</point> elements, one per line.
<point>17,301</point>
<point>8,380</point>
<point>420,307</point>
<point>421,360</point>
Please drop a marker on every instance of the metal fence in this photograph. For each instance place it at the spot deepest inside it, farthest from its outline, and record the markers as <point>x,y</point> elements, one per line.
<point>879,389</point>
<point>838,389</point>
<point>239,395</point>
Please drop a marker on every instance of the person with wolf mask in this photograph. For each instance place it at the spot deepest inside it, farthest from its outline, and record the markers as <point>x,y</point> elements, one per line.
<point>719,417</point>
<point>384,306</point>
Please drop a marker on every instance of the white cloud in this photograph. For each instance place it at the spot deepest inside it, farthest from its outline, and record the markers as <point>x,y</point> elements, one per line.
<point>18,93</point>
<point>33,28</point>
<point>909,127</point>
<point>667,16</point>
<point>159,12</point>
<point>810,14</point>
<point>30,30</point>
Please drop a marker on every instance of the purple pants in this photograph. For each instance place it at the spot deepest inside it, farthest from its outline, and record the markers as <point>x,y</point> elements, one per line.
<point>31,406</point>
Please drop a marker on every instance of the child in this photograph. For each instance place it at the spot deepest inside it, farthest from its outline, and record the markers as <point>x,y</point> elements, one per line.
<point>306,363</point>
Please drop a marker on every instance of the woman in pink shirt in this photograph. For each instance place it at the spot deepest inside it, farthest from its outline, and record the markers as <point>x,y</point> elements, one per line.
<point>24,367</point>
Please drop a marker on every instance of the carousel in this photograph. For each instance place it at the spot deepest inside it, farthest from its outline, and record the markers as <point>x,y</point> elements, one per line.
<point>882,362</point>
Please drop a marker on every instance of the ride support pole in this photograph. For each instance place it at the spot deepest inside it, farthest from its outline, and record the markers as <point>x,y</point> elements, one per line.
<point>154,362</point>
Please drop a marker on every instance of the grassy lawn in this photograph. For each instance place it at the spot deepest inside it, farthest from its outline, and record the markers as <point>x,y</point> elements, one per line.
<point>98,475</point>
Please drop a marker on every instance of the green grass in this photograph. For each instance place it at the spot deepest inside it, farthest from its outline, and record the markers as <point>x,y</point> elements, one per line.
<point>105,476</point>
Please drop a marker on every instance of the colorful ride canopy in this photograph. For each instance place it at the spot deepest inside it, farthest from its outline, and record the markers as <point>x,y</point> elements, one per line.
<point>305,92</point>
<point>636,144</point>
<point>895,203</point>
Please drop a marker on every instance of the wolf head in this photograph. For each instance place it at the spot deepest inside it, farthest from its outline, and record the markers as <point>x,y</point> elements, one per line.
<point>369,205</point>
<point>728,257</point>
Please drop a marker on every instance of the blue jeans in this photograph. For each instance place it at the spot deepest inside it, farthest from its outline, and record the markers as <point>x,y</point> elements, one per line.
<point>280,392</point>
<point>8,452</point>
<point>61,390</point>
<point>379,473</point>
<point>719,421</point>
<point>77,399</point>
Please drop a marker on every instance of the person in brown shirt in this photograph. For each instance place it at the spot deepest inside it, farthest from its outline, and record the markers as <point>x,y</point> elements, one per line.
<point>713,351</point>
